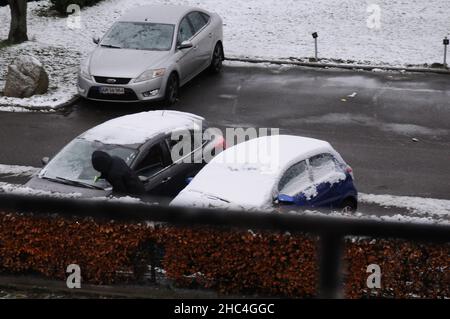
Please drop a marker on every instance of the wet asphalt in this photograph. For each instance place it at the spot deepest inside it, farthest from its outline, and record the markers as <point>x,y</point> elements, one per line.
<point>392,128</point>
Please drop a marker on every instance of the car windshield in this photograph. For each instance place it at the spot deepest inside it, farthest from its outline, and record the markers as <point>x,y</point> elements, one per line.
<point>73,163</point>
<point>140,36</point>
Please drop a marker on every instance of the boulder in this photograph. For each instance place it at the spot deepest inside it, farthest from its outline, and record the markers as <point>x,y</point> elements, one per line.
<point>26,77</point>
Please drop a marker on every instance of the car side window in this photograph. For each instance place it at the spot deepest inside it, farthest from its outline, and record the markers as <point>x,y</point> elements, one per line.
<point>322,166</point>
<point>181,151</point>
<point>295,179</point>
<point>152,162</point>
<point>205,17</point>
<point>197,20</point>
<point>186,31</point>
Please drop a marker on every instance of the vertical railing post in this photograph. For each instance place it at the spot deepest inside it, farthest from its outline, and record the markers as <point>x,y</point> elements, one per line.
<point>315,36</point>
<point>331,248</point>
<point>316,53</point>
<point>446,43</point>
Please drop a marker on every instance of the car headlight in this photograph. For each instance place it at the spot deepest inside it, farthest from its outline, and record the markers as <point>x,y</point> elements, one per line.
<point>150,74</point>
<point>84,70</point>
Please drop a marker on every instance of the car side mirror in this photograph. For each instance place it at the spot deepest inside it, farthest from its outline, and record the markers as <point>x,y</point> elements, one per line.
<point>96,40</point>
<point>185,45</point>
<point>188,180</point>
<point>45,160</point>
<point>285,199</point>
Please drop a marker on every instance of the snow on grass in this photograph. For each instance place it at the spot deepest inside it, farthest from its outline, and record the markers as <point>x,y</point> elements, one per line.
<point>61,65</point>
<point>410,32</point>
<point>16,170</point>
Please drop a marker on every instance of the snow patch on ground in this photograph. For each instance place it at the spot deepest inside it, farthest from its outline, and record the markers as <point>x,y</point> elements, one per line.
<point>363,120</point>
<point>394,218</point>
<point>422,210</point>
<point>410,32</point>
<point>16,170</point>
<point>416,205</point>
<point>21,190</point>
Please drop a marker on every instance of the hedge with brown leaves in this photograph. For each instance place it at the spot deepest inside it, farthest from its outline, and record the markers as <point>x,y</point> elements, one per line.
<point>230,261</point>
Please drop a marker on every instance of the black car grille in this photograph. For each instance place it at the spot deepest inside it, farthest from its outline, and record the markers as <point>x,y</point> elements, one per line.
<point>103,79</point>
<point>129,95</point>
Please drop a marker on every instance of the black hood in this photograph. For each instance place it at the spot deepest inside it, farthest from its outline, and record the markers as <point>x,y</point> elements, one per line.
<point>101,161</point>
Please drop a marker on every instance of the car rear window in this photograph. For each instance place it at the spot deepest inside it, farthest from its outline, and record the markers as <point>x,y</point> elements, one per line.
<point>322,166</point>
<point>295,179</point>
<point>205,16</point>
<point>185,32</point>
<point>197,21</point>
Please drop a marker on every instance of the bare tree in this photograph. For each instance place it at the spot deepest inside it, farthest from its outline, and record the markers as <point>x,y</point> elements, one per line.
<point>18,29</point>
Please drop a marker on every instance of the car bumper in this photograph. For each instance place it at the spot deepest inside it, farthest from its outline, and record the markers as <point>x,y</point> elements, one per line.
<point>133,92</point>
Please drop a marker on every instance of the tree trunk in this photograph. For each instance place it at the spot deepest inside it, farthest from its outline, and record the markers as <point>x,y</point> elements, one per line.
<point>18,29</point>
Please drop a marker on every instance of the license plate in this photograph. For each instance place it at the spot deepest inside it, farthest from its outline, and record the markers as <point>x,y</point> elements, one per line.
<point>111,90</point>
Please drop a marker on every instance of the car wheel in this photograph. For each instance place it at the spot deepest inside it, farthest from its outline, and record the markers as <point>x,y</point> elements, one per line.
<point>172,90</point>
<point>349,205</point>
<point>217,58</point>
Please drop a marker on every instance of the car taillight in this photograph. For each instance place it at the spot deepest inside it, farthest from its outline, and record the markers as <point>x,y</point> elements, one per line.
<point>349,170</point>
<point>220,142</point>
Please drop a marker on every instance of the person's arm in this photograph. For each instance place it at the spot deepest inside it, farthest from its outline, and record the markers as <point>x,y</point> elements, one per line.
<point>118,184</point>
<point>133,184</point>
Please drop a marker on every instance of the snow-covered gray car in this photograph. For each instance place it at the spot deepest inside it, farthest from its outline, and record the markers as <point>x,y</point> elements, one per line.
<point>150,52</point>
<point>143,140</point>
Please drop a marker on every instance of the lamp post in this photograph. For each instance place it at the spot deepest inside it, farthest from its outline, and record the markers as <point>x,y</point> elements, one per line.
<point>315,36</point>
<point>445,42</point>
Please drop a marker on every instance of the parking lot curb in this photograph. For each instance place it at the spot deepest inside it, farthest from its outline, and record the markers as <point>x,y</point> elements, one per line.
<point>340,65</point>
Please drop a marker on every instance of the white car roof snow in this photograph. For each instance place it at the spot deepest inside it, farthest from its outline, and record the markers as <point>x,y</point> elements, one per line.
<point>236,182</point>
<point>170,14</point>
<point>141,127</point>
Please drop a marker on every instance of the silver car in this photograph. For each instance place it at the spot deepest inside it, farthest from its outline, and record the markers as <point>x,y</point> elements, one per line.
<point>150,52</point>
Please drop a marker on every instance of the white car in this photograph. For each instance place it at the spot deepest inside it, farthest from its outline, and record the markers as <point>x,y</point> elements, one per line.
<point>266,172</point>
<point>150,52</point>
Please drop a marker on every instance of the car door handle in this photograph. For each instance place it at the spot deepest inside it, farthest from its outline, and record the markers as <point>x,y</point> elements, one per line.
<point>210,35</point>
<point>165,180</point>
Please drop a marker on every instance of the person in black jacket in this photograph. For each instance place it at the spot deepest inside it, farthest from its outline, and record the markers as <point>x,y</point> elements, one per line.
<point>116,171</point>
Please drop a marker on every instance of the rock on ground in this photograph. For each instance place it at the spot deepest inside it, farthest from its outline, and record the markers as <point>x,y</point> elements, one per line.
<point>26,77</point>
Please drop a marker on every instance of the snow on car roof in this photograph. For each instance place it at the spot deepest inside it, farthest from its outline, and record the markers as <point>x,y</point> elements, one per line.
<point>246,174</point>
<point>140,127</point>
<point>275,151</point>
<point>157,13</point>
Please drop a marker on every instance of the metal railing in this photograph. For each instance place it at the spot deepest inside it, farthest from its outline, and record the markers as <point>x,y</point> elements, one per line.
<point>331,230</point>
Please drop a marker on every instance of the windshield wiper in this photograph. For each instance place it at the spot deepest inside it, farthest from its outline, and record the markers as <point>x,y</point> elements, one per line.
<point>110,46</point>
<point>71,182</point>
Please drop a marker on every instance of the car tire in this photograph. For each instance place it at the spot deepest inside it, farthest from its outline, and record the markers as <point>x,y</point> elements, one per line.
<point>349,205</point>
<point>217,59</point>
<point>172,90</point>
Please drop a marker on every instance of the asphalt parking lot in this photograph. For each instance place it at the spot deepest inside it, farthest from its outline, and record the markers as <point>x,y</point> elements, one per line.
<point>392,128</point>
